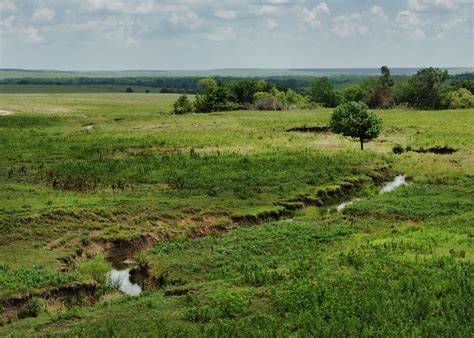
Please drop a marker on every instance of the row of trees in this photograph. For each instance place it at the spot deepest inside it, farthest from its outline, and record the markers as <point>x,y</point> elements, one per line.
<point>427,89</point>
<point>213,96</point>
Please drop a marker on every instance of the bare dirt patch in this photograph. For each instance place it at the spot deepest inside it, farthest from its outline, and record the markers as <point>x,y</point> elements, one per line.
<point>437,150</point>
<point>311,129</point>
<point>5,112</point>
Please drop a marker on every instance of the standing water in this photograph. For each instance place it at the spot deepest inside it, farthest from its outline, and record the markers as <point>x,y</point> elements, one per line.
<point>398,181</point>
<point>120,279</point>
<point>341,206</point>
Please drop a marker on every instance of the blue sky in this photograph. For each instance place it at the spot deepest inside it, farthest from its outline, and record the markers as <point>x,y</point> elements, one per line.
<point>206,34</point>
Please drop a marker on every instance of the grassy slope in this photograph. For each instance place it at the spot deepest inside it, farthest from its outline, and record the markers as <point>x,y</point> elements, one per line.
<point>402,250</point>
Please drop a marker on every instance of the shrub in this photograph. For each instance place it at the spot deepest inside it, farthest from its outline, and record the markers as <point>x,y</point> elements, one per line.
<point>32,308</point>
<point>183,105</point>
<point>398,149</point>
<point>459,98</point>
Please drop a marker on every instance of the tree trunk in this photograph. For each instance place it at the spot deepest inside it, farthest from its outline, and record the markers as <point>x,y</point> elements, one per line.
<point>361,144</point>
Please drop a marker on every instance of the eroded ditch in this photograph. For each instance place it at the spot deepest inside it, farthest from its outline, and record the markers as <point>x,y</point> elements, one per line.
<point>131,277</point>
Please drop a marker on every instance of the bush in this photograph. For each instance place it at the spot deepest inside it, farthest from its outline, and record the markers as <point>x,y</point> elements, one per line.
<point>460,98</point>
<point>129,90</point>
<point>32,308</point>
<point>183,105</point>
<point>398,149</point>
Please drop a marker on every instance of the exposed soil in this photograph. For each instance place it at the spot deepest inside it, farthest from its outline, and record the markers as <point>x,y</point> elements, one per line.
<point>311,129</point>
<point>5,112</point>
<point>80,293</point>
<point>437,150</point>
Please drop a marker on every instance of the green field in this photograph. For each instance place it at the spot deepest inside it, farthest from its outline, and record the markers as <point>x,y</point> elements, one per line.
<point>231,220</point>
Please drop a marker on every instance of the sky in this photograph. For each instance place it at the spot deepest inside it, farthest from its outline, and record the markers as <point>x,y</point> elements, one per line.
<point>211,34</point>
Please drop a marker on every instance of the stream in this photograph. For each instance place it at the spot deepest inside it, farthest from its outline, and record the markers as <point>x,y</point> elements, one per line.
<point>119,276</point>
<point>397,182</point>
<point>120,279</point>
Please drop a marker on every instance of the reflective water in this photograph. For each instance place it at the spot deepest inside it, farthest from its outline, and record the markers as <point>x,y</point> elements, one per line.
<point>341,206</point>
<point>398,181</point>
<point>120,279</point>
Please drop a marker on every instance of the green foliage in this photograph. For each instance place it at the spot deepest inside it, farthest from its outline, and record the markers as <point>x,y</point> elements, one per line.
<point>213,97</point>
<point>353,119</point>
<point>398,149</point>
<point>322,91</point>
<point>385,80</point>
<point>355,93</point>
<point>129,90</point>
<point>32,308</point>
<point>245,90</point>
<point>183,105</point>
<point>424,90</point>
<point>95,268</point>
<point>23,278</point>
<point>459,99</point>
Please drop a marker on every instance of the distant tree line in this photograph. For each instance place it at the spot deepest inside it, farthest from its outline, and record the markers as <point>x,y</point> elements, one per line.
<point>178,84</point>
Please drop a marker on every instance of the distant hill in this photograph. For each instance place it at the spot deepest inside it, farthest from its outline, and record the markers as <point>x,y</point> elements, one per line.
<point>240,72</point>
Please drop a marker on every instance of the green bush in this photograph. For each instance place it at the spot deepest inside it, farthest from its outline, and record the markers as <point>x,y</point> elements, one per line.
<point>32,308</point>
<point>398,149</point>
<point>183,105</point>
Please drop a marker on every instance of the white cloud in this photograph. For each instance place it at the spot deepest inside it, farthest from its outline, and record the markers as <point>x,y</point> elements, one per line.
<point>7,23</point>
<point>43,14</point>
<point>443,29</point>
<point>185,19</point>
<point>360,23</point>
<point>408,20</point>
<point>221,34</point>
<point>7,6</point>
<point>421,5</point>
<point>225,14</point>
<point>410,26</point>
<point>271,24</point>
<point>269,10</point>
<point>311,16</point>
<point>113,6</point>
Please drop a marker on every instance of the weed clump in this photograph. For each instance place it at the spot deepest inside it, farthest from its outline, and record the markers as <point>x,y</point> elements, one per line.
<point>32,308</point>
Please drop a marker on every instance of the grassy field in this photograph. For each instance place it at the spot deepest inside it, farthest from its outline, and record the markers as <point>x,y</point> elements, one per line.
<point>232,221</point>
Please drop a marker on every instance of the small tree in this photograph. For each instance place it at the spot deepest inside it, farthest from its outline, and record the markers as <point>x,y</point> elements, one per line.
<point>183,105</point>
<point>129,90</point>
<point>353,119</point>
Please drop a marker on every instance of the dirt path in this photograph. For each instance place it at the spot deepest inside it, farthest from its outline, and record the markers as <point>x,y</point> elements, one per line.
<point>5,112</point>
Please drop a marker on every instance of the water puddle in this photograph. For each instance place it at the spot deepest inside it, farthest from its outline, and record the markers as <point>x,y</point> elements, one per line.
<point>397,182</point>
<point>120,256</point>
<point>120,279</point>
<point>341,206</point>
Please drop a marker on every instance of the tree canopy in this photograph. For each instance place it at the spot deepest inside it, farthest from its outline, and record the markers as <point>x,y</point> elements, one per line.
<point>353,119</point>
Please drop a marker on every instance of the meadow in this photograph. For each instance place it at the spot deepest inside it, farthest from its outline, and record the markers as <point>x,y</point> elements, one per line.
<point>231,219</point>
